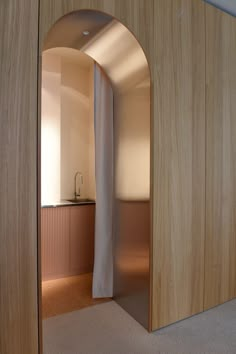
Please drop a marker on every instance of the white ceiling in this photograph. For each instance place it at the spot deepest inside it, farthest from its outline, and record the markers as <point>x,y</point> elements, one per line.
<point>226,5</point>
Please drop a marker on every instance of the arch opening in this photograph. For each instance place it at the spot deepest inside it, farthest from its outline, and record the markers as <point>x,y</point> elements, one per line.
<point>115,49</point>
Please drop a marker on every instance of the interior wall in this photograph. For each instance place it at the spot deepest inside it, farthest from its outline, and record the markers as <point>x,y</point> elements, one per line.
<point>220,246</point>
<point>19,300</point>
<point>177,61</point>
<point>133,145</point>
<point>178,151</point>
<point>51,128</point>
<point>76,129</point>
<point>179,161</point>
<point>18,226</point>
<point>67,135</point>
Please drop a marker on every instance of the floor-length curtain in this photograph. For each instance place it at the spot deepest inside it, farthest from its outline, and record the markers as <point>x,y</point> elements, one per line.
<point>103,121</point>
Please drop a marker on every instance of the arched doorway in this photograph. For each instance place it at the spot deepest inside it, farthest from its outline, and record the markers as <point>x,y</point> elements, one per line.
<point>118,53</point>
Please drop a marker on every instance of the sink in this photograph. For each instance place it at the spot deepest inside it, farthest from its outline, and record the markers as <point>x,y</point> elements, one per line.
<point>77,200</point>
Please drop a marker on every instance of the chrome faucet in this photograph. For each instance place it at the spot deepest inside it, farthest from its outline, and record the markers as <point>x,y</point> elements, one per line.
<point>81,182</point>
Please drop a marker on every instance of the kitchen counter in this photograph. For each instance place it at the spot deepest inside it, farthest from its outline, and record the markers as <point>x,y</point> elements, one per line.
<point>63,203</point>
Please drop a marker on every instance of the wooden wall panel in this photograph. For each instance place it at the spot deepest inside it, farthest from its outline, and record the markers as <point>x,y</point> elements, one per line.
<point>18,177</point>
<point>220,249</point>
<point>175,47</point>
<point>179,160</point>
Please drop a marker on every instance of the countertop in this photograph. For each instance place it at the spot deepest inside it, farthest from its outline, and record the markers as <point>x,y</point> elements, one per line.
<point>63,203</point>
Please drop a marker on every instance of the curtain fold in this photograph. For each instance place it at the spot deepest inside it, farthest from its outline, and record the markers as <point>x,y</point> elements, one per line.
<point>103,123</point>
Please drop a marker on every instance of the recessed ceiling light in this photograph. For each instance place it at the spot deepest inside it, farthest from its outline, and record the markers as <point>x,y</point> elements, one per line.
<point>86,33</point>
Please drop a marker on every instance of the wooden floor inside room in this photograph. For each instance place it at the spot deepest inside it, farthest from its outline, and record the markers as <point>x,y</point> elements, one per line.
<point>67,294</point>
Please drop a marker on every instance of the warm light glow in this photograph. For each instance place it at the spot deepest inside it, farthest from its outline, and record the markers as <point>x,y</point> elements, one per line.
<point>67,118</point>
<point>132,147</point>
<point>116,50</point>
<point>50,130</point>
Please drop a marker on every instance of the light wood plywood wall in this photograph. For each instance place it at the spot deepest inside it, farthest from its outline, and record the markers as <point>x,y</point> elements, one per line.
<point>172,34</point>
<point>220,248</point>
<point>18,177</point>
<point>178,161</point>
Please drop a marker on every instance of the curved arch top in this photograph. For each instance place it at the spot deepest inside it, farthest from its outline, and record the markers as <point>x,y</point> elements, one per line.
<point>114,47</point>
<point>109,43</point>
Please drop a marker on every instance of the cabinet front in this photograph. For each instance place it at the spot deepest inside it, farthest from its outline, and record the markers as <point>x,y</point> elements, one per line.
<point>67,237</point>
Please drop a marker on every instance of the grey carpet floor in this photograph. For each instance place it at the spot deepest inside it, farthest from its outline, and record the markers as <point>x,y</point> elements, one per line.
<point>108,329</point>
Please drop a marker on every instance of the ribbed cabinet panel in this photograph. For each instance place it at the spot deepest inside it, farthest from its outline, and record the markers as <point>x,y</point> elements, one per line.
<point>67,241</point>
<point>55,237</point>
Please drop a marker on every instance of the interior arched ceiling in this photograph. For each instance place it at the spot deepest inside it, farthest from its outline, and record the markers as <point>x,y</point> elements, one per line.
<point>108,42</point>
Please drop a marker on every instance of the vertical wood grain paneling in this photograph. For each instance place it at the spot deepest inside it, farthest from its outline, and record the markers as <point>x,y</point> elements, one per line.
<point>175,49</point>
<point>179,160</point>
<point>220,248</point>
<point>18,177</point>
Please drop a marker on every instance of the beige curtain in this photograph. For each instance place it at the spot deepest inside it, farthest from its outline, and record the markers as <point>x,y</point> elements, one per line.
<point>103,121</point>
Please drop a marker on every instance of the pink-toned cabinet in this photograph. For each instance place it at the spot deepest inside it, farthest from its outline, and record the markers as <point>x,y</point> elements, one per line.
<point>67,240</point>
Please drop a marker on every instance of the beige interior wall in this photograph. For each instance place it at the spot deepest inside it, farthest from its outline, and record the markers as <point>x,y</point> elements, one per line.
<point>75,127</point>
<point>133,145</point>
<point>67,140</point>
<point>51,128</point>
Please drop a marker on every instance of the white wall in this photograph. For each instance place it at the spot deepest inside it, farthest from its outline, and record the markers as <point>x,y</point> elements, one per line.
<point>67,108</point>
<point>50,128</point>
<point>225,5</point>
<point>74,127</point>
